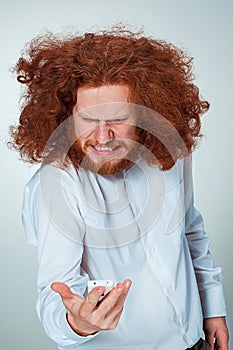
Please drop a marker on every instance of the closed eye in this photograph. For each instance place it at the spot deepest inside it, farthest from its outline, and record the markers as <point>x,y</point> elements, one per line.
<point>89,120</point>
<point>117,121</point>
<point>110,121</point>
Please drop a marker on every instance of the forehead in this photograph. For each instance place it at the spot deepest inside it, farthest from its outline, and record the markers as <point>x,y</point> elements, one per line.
<point>89,97</point>
<point>104,102</point>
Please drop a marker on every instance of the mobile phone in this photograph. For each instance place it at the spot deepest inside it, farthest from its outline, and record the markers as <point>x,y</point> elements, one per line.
<point>108,284</point>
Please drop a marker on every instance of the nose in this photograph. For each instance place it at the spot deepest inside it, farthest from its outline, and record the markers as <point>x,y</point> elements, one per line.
<point>103,133</point>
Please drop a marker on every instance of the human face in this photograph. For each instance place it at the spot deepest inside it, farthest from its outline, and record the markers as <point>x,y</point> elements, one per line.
<point>104,127</point>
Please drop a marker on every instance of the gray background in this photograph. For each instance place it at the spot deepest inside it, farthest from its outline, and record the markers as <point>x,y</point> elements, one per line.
<point>204,28</point>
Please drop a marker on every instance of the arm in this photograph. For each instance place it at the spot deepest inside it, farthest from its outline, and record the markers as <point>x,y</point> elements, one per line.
<point>49,215</point>
<point>209,276</point>
<point>53,223</point>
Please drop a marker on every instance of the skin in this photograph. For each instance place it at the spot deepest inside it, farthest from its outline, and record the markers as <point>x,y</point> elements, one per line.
<point>216,333</point>
<point>85,316</point>
<point>104,125</point>
<point>103,118</point>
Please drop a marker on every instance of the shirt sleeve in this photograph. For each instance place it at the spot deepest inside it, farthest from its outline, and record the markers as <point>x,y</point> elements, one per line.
<point>209,277</point>
<point>53,223</point>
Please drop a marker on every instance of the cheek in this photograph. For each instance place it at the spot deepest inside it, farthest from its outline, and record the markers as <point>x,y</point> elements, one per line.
<point>125,131</point>
<point>83,131</point>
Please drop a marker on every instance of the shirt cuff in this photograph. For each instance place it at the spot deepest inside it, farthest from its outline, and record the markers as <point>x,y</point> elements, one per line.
<point>70,334</point>
<point>213,302</point>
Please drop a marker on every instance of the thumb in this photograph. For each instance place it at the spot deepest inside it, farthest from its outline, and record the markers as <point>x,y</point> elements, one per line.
<point>69,299</point>
<point>62,289</point>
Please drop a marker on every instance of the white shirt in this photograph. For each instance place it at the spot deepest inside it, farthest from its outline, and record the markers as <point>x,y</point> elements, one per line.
<point>140,224</point>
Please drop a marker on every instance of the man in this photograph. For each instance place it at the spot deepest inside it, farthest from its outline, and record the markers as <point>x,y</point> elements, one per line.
<point>114,118</point>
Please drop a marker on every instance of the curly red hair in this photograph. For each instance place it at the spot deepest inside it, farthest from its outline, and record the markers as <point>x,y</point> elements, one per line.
<point>158,74</point>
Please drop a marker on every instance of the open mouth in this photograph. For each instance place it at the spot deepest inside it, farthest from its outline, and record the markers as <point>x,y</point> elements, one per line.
<point>104,150</point>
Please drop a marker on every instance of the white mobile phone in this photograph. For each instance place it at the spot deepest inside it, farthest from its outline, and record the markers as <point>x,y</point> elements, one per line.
<point>108,284</point>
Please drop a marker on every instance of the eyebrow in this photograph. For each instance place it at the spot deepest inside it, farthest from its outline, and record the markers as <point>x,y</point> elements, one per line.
<point>90,117</point>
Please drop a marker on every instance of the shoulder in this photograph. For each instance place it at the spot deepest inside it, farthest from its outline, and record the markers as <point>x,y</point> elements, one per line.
<point>49,186</point>
<point>50,174</point>
<point>50,196</point>
<point>169,178</point>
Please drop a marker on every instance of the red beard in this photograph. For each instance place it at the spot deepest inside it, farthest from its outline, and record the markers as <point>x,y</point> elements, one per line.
<point>104,166</point>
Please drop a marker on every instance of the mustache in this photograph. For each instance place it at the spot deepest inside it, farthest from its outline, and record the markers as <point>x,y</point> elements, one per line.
<point>110,143</point>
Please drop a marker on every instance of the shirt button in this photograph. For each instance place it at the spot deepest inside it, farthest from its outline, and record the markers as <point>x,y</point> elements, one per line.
<point>138,210</point>
<point>170,289</point>
<point>152,250</point>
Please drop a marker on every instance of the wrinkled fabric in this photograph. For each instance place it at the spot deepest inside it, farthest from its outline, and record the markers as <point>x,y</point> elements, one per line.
<point>139,224</point>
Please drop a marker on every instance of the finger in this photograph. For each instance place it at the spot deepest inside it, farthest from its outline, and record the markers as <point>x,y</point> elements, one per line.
<point>70,300</point>
<point>210,340</point>
<point>115,298</point>
<point>91,300</point>
<point>127,284</point>
<point>62,289</point>
<point>66,294</point>
<point>115,313</point>
<point>112,318</point>
<point>111,321</point>
<point>110,300</point>
<point>221,343</point>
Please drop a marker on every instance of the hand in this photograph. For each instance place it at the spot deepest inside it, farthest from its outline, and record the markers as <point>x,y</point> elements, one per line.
<point>216,333</point>
<point>87,316</point>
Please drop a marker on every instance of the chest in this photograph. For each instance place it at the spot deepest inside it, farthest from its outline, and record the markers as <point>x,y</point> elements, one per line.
<point>118,210</point>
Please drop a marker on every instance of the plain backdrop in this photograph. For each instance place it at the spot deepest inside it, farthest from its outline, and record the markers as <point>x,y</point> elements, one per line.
<point>203,28</point>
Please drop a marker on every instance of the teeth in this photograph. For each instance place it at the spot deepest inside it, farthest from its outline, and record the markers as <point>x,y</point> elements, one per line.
<point>103,149</point>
